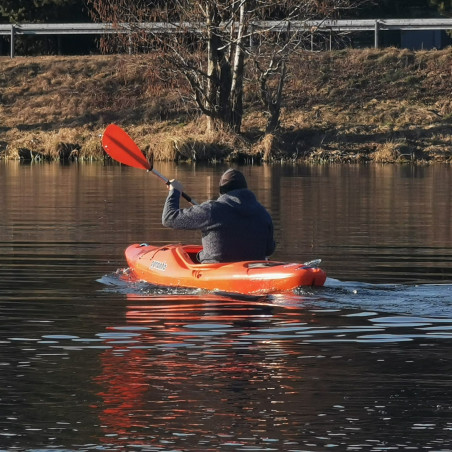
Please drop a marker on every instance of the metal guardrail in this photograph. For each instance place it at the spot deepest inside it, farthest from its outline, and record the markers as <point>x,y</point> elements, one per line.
<point>375,25</point>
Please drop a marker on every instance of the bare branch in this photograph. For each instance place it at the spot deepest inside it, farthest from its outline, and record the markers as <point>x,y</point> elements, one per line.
<point>212,42</point>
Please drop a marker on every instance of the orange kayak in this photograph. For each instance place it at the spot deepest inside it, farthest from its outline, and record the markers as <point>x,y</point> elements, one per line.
<point>176,266</point>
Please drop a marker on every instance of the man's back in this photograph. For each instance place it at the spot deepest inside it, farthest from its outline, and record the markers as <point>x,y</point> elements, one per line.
<point>234,227</point>
<point>240,229</point>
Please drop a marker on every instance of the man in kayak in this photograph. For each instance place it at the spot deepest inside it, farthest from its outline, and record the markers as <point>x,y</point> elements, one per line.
<point>234,227</point>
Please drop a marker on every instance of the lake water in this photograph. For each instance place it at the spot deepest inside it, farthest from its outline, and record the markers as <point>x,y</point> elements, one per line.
<point>89,361</point>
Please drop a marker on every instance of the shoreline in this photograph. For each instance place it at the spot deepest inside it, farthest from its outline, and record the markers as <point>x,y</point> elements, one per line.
<point>353,106</point>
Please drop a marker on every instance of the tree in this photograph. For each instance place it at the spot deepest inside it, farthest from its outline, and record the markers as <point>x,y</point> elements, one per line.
<point>443,6</point>
<point>215,43</point>
<point>45,11</point>
<point>393,9</point>
<point>23,11</point>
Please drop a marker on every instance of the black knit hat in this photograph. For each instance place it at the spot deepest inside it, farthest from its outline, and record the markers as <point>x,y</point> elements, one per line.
<point>232,179</point>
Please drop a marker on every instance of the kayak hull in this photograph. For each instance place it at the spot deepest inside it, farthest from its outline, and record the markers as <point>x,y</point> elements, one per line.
<point>175,266</point>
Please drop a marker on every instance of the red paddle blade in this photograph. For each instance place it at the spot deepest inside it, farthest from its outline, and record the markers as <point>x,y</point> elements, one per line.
<point>120,147</point>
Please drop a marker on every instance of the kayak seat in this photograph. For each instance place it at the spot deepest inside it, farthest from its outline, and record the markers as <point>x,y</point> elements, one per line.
<point>191,252</point>
<point>194,257</point>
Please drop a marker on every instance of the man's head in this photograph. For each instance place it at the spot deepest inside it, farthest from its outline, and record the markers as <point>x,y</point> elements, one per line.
<point>232,179</point>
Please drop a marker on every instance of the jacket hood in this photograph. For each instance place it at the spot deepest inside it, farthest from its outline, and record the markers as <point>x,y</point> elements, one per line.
<point>243,200</point>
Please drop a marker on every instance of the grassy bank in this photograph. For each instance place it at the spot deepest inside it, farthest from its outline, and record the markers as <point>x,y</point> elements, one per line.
<point>357,105</point>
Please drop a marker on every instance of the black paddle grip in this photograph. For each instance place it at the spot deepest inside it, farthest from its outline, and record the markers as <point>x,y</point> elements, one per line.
<point>184,195</point>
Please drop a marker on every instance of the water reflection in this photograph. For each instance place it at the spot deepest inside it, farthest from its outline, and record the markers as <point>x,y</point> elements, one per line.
<point>368,223</point>
<point>92,362</point>
<point>205,372</point>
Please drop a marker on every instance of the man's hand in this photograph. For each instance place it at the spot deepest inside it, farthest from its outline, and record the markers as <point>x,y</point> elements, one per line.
<point>175,185</point>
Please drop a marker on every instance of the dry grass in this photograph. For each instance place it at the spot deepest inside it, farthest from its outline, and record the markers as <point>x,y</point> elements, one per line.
<point>267,148</point>
<point>389,152</point>
<point>384,105</point>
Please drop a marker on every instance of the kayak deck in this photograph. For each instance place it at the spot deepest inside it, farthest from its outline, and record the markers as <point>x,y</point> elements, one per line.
<point>177,266</point>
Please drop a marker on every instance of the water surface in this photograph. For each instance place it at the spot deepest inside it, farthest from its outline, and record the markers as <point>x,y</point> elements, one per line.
<point>91,361</point>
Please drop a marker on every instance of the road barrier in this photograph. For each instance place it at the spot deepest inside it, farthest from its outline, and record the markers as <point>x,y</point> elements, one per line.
<point>309,26</point>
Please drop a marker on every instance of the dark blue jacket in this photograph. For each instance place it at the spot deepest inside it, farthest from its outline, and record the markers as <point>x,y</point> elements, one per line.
<point>235,227</point>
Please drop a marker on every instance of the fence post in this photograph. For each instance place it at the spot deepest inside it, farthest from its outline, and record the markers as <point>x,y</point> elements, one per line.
<point>376,37</point>
<point>12,40</point>
<point>252,37</point>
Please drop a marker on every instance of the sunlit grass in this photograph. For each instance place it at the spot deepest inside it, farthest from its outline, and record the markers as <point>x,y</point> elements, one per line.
<point>387,105</point>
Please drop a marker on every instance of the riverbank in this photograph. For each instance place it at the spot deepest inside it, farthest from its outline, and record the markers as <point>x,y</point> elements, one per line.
<point>386,105</point>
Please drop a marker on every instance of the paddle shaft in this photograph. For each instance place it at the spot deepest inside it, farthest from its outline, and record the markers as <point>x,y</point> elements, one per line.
<point>167,182</point>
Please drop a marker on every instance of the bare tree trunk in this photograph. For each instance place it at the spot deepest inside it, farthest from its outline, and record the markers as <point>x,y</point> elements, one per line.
<point>236,95</point>
<point>274,105</point>
<point>212,75</point>
<point>224,77</point>
<point>206,44</point>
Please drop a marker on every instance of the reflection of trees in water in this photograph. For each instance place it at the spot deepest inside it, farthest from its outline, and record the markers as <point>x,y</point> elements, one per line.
<point>385,220</point>
<point>372,223</point>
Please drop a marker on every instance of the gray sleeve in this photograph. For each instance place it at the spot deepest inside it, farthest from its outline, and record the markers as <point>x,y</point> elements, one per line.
<point>195,217</point>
